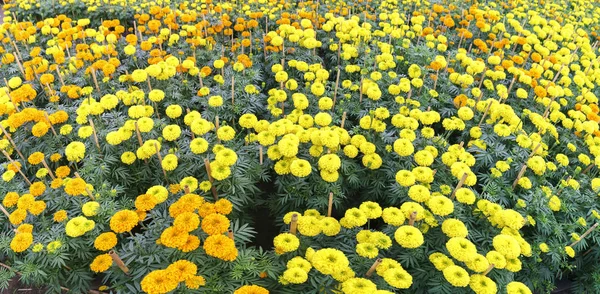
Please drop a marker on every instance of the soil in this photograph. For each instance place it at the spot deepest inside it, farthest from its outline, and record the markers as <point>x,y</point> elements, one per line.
<point>15,287</point>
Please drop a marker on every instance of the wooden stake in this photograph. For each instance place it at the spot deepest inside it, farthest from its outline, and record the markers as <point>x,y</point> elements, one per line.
<point>521,172</point>
<point>260,156</point>
<point>588,168</point>
<point>413,217</point>
<point>95,135</point>
<point>48,168</point>
<point>187,110</point>
<point>95,79</point>
<point>119,261</point>
<point>4,211</point>
<point>210,178</point>
<point>489,269</point>
<point>6,90</point>
<point>485,113</point>
<point>86,189</point>
<point>19,170</point>
<point>373,267</point>
<point>585,234</point>
<point>343,120</point>
<point>137,132</point>
<point>294,224</point>
<point>160,161</point>
<point>12,143</point>
<point>459,185</point>
<point>330,204</point>
<point>232,90</point>
<point>337,83</point>
<point>360,89</point>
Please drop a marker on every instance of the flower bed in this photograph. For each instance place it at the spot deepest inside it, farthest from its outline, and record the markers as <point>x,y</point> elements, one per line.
<point>393,146</point>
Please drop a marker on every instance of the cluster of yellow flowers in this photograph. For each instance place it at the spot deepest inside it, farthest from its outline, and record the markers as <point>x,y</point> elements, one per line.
<point>372,88</point>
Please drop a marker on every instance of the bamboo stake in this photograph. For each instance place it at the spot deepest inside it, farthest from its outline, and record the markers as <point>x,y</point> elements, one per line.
<point>232,90</point>
<point>337,84</point>
<point>294,224</point>
<point>187,110</point>
<point>95,134</point>
<point>160,161</point>
<point>489,269</point>
<point>95,80</point>
<point>521,172</point>
<point>373,267</point>
<point>6,90</point>
<point>19,169</point>
<point>137,132</point>
<point>588,168</point>
<point>4,211</point>
<point>86,189</point>
<point>210,179</point>
<point>585,234</point>
<point>413,217</point>
<point>485,113</point>
<point>260,154</point>
<point>360,89</point>
<point>119,261</point>
<point>230,235</point>
<point>217,127</point>
<point>48,168</point>
<point>12,143</point>
<point>330,204</point>
<point>459,185</point>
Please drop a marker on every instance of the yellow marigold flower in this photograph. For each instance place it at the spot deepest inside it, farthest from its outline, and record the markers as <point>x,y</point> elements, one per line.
<point>10,199</point>
<point>393,216</point>
<point>75,151</point>
<point>329,260</point>
<point>358,285</point>
<point>190,244</point>
<point>90,208</point>
<point>221,247</point>
<point>36,158</point>
<point>187,221</point>
<point>367,250</point>
<point>222,206</point>
<point>215,224</point>
<point>398,278</point>
<point>517,288</point>
<point>408,237</point>
<point>21,242</point>
<point>60,216</point>
<point>158,282</point>
<point>251,289</point>
<point>123,221</point>
<point>182,270</point>
<point>75,187</point>
<point>173,237</point>
<point>481,284</point>
<point>507,246</point>
<point>286,242</point>
<point>105,241</point>
<point>454,228</point>
<point>457,276</point>
<point>195,282</point>
<point>440,261</point>
<point>570,252</point>
<point>371,209</point>
<point>101,263</point>
<point>461,249</point>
